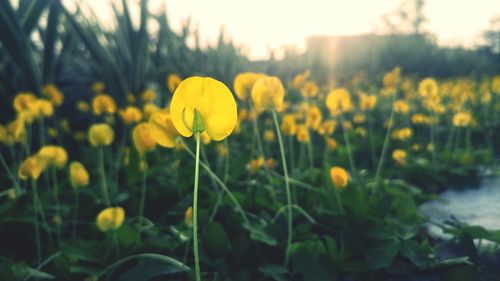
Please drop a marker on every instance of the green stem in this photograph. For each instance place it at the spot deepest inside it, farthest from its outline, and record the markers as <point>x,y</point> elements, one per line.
<point>11,176</point>
<point>386,145</point>
<point>195,208</point>
<point>55,189</point>
<point>143,199</point>
<point>348,146</point>
<point>104,187</point>
<point>37,226</point>
<point>221,184</point>
<point>433,141</point>
<point>77,206</point>
<point>287,186</point>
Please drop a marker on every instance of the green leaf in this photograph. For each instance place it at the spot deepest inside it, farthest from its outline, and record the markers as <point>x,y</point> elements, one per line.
<point>381,256</point>
<point>147,270</point>
<point>308,260</point>
<point>81,250</point>
<point>127,235</point>
<point>258,232</point>
<point>276,272</point>
<point>32,15</point>
<point>22,271</point>
<point>215,240</point>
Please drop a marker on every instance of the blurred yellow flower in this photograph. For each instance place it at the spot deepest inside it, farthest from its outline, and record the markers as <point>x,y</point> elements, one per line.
<point>428,88</point>
<point>222,150</point>
<point>268,93</point>
<point>359,118</point>
<point>213,104</point>
<point>243,84</point>
<point>131,98</point>
<point>309,89</point>
<point>331,144</point>
<point>162,129</point>
<point>83,106</point>
<point>314,117</point>
<point>401,106</point>
<point>149,109</point>
<point>53,93</point>
<point>131,114</point>
<point>32,167</point>
<point>54,155</point>
<point>420,119</point>
<point>402,134</point>
<point>300,79</point>
<point>110,219</point>
<point>269,135</point>
<point>103,104</point>
<point>98,87</point>
<point>188,216</point>
<point>148,95</point>
<point>24,101</point>
<point>78,175</point>
<point>255,164</point>
<point>462,119</point>
<point>338,100</point>
<point>340,177</point>
<point>361,131</point>
<point>143,139</point>
<point>327,127</point>
<point>399,156</point>
<point>303,134</point>
<point>288,125</point>
<point>101,134</point>
<point>391,79</point>
<point>495,84</point>
<point>173,81</point>
<point>367,102</point>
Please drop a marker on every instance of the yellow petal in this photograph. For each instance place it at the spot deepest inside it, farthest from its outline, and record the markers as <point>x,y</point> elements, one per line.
<point>162,129</point>
<point>110,218</point>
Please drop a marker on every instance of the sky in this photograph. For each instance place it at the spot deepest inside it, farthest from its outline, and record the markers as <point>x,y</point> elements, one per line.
<point>259,25</point>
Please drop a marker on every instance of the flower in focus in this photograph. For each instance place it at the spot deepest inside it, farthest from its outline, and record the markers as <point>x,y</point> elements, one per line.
<point>110,219</point>
<point>243,84</point>
<point>268,92</point>
<point>173,81</point>
<point>207,99</point>
<point>78,175</point>
<point>143,139</point>
<point>162,129</point>
<point>53,93</point>
<point>103,104</point>
<point>131,114</point>
<point>101,134</point>
<point>339,176</point>
<point>399,156</point>
<point>338,100</point>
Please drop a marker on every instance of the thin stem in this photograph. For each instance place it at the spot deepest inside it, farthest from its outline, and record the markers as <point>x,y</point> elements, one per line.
<point>37,226</point>
<point>287,186</point>
<point>104,187</point>
<point>348,146</point>
<point>433,141</point>
<point>221,184</point>
<point>77,206</point>
<point>195,208</point>
<point>11,176</point>
<point>386,144</point>
<point>55,189</point>
<point>143,199</point>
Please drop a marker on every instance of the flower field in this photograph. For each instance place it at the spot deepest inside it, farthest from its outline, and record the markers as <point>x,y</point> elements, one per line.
<point>128,155</point>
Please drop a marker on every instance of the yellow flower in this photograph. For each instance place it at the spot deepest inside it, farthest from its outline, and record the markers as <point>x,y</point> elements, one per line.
<point>79,136</point>
<point>243,84</point>
<point>420,119</point>
<point>303,134</point>
<point>162,129</point>
<point>101,134</point>
<point>391,79</point>
<point>367,102</point>
<point>53,93</point>
<point>188,217</point>
<point>327,127</point>
<point>314,117</point>
<point>148,95</point>
<point>222,150</point>
<point>309,89</point>
<point>402,134</point>
<point>359,118</point>
<point>24,101</point>
<point>361,131</point>
<point>213,103</point>
<point>462,119</point>
<point>401,106</point>
<point>102,104</point>
<point>288,125</point>
<point>255,164</point>
<point>331,144</point>
<point>269,135</point>
<point>143,139</point>
<point>32,167</point>
<point>83,106</point>
<point>300,79</point>
<point>173,81</point>
<point>399,156</point>
<point>54,155</point>
<point>338,100</point>
<point>131,114</point>
<point>43,108</point>
<point>78,175</point>
<point>205,138</point>
<point>98,87</point>
<point>495,84</point>
<point>340,177</point>
<point>149,109</point>
<point>428,88</point>
<point>110,219</point>
<point>268,93</point>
